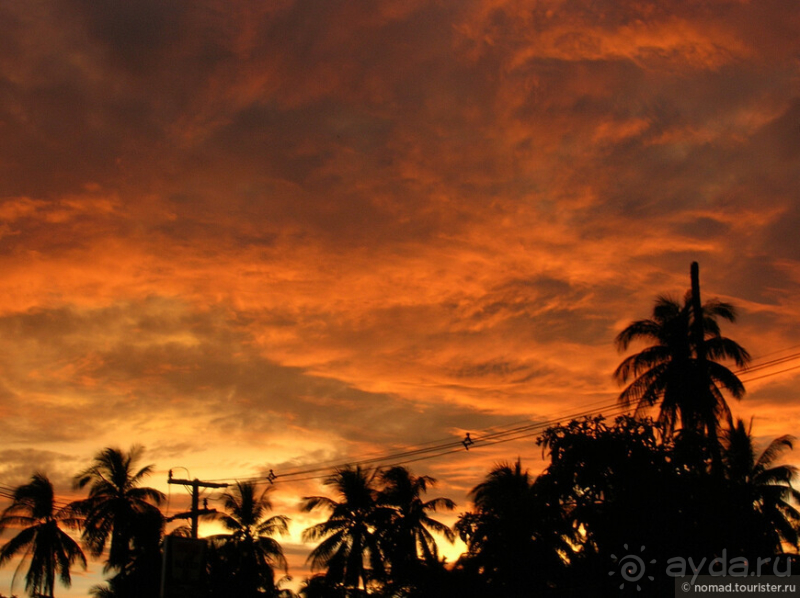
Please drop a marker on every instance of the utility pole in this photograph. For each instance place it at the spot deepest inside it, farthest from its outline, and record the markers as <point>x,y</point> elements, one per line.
<point>196,511</point>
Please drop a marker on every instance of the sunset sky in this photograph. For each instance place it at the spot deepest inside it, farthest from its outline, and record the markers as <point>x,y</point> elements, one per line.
<point>254,234</point>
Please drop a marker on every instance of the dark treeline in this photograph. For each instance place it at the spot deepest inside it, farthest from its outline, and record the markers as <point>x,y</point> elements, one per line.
<point>623,506</point>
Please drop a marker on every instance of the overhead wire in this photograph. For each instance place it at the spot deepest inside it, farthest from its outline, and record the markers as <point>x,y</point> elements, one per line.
<point>767,364</point>
<point>491,435</point>
<point>451,446</point>
<point>422,449</point>
<point>533,430</point>
<point>772,374</point>
<point>776,351</point>
<point>770,363</point>
<point>447,446</point>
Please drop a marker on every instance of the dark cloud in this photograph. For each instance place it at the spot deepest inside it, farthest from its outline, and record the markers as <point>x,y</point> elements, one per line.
<point>18,465</point>
<point>136,36</point>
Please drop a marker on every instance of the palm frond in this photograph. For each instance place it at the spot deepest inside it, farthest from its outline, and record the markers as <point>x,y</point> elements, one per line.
<point>646,330</point>
<point>311,503</point>
<point>721,348</point>
<point>715,308</point>
<point>324,552</point>
<point>16,544</point>
<point>279,524</point>
<point>774,450</point>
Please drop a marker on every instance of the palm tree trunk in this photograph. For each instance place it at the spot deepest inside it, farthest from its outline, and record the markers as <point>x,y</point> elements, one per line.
<point>698,331</point>
<point>697,312</point>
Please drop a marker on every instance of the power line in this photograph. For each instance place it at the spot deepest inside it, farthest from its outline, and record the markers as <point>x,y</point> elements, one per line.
<point>492,435</point>
<point>533,430</point>
<point>772,374</point>
<point>446,443</point>
<point>448,446</point>
<point>776,351</point>
<point>442,449</point>
<point>767,364</point>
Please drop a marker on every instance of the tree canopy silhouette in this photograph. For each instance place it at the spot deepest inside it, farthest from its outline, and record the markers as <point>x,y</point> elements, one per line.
<point>350,537</point>
<point>516,536</point>
<point>769,519</point>
<point>407,541</point>
<point>681,369</point>
<point>243,560</point>
<point>51,550</point>
<point>115,502</point>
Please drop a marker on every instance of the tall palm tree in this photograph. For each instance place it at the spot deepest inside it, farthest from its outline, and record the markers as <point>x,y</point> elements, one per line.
<point>249,552</point>
<point>350,537</point>
<point>116,500</point>
<point>408,536</point>
<point>681,369</point>
<point>768,496</point>
<point>51,549</point>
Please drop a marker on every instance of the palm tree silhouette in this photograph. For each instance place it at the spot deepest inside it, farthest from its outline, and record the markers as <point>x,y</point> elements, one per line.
<point>249,553</point>
<point>115,503</point>
<point>408,536</point>
<point>681,369</point>
<point>514,536</point>
<point>141,575</point>
<point>51,549</point>
<point>766,489</point>
<point>350,537</point>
